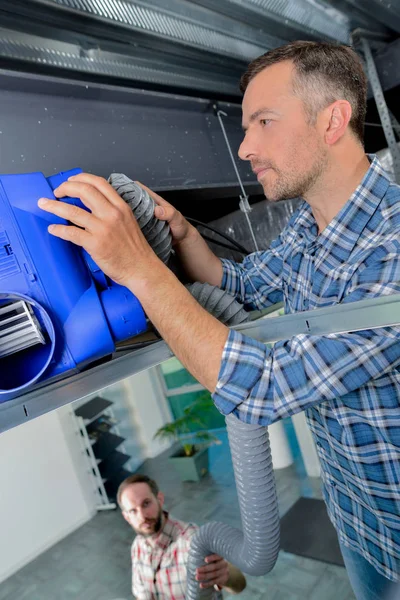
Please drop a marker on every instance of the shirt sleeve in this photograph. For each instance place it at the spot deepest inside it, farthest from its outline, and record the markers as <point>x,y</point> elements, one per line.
<point>185,539</point>
<point>257,281</point>
<point>261,384</point>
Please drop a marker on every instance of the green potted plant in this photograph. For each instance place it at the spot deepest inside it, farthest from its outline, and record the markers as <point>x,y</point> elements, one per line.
<point>191,459</point>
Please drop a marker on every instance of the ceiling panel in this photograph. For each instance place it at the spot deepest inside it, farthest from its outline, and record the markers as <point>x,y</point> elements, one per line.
<point>202,46</point>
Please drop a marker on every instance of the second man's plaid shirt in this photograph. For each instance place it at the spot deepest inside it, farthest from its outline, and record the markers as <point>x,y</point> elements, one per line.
<point>348,384</point>
<point>159,562</point>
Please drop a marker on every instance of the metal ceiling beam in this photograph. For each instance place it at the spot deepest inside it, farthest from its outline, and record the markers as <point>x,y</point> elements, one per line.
<point>386,12</point>
<point>153,22</point>
<point>156,43</point>
<point>299,19</point>
<point>145,67</point>
<point>35,50</point>
<point>387,62</point>
<point>355,316</point>
<point>198,45</point>
<point>358,16</point>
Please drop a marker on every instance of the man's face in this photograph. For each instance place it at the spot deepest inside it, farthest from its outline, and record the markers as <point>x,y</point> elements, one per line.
<point>286,152</point>
<point>142,509</point>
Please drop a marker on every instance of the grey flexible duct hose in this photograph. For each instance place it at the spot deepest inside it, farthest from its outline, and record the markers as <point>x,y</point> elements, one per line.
<point>256,549</point>
<point>222,305</point>
<point>156,232</point>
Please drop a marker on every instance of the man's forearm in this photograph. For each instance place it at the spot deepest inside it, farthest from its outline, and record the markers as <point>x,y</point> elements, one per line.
<point>236,582</point>
<point>194,336</point>
<point>198,261</point>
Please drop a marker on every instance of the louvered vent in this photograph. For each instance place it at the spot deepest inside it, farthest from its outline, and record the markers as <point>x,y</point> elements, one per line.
<point>19,328</point>
<point>8,262</point>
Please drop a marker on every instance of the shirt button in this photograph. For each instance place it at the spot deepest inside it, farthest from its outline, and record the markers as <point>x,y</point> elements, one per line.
<point>319,444</point>
<point>333,483</point>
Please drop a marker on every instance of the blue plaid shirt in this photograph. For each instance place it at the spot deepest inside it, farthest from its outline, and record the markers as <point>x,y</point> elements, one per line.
<point>348,384</point>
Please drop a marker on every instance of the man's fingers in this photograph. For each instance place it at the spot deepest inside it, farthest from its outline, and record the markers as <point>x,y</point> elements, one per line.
<point>220,581</point>
<point>207,585</point>
<point>212,561</point>
<point>210,573</point>
<point>210,584</point>
<point>214,572</point>
<point>161,213</point>
<point>90,197</point>
<point>99,184</point>
<point>211,568</point>
<point>77,236</point>
<point>213,558</point>
<point>164,210</point>
<point>72,213</point>
<point>157,199</point>
<point>168,213</point>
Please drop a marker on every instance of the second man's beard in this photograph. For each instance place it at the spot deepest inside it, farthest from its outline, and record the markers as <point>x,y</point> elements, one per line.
<point>156,526</point>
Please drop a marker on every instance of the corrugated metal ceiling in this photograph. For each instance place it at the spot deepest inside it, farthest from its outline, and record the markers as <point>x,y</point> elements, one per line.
<point>200,45</point>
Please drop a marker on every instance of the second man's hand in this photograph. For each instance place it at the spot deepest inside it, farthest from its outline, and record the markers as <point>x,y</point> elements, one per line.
<point>220,574</point>
<point>214,574</point>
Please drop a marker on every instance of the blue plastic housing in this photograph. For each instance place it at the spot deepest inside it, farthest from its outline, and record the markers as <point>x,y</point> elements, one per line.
<point>82,313</point>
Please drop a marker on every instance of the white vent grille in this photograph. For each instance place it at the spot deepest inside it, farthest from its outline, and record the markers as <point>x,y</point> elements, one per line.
<point>19,328</point>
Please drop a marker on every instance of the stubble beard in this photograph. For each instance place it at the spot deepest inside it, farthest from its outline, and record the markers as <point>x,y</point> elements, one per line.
<point>294,184</point>
<point>156,526</point>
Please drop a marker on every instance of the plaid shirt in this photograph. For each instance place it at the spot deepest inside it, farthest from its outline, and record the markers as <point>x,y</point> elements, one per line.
<point>348,384</point>
<point>159,563</point>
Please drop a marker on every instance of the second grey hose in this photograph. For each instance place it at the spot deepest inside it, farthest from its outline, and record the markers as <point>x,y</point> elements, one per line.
<point>220,304</point>
<point>255,550</point>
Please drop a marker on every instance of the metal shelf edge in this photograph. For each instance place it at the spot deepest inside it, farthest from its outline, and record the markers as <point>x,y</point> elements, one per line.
<point>36,403</point>
<point>342,318</point>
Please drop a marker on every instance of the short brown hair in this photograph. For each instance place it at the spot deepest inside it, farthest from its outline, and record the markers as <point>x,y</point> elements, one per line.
<point>136,479</point>
<point>324,72</point>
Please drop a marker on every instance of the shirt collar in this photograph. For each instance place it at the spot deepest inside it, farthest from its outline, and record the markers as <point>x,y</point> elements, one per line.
<point>347,226</point>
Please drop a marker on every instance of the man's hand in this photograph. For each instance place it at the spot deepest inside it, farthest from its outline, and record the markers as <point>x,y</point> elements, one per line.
<point>109,232</point>
<point>215,573</point>
<point>112,237</point>
<point>181,230</point>
<point>197,260</point>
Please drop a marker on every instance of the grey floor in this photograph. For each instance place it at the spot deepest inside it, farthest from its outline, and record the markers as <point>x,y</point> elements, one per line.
<point>93,562</point>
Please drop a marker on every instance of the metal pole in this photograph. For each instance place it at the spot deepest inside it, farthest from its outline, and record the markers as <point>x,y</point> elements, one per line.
<point>382,108</point>
<point>244,199</point>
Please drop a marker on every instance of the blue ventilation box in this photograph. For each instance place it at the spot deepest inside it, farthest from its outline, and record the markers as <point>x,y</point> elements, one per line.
<point>58,310</point>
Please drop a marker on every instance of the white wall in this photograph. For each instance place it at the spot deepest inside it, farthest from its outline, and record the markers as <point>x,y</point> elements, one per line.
<point>45,490</point>
<point>149,408</point>
<point>41,499</point>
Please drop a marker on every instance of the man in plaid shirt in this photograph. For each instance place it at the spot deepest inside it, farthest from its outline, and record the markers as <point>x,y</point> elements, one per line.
<point>303,116</point>
<point>161,547</point>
